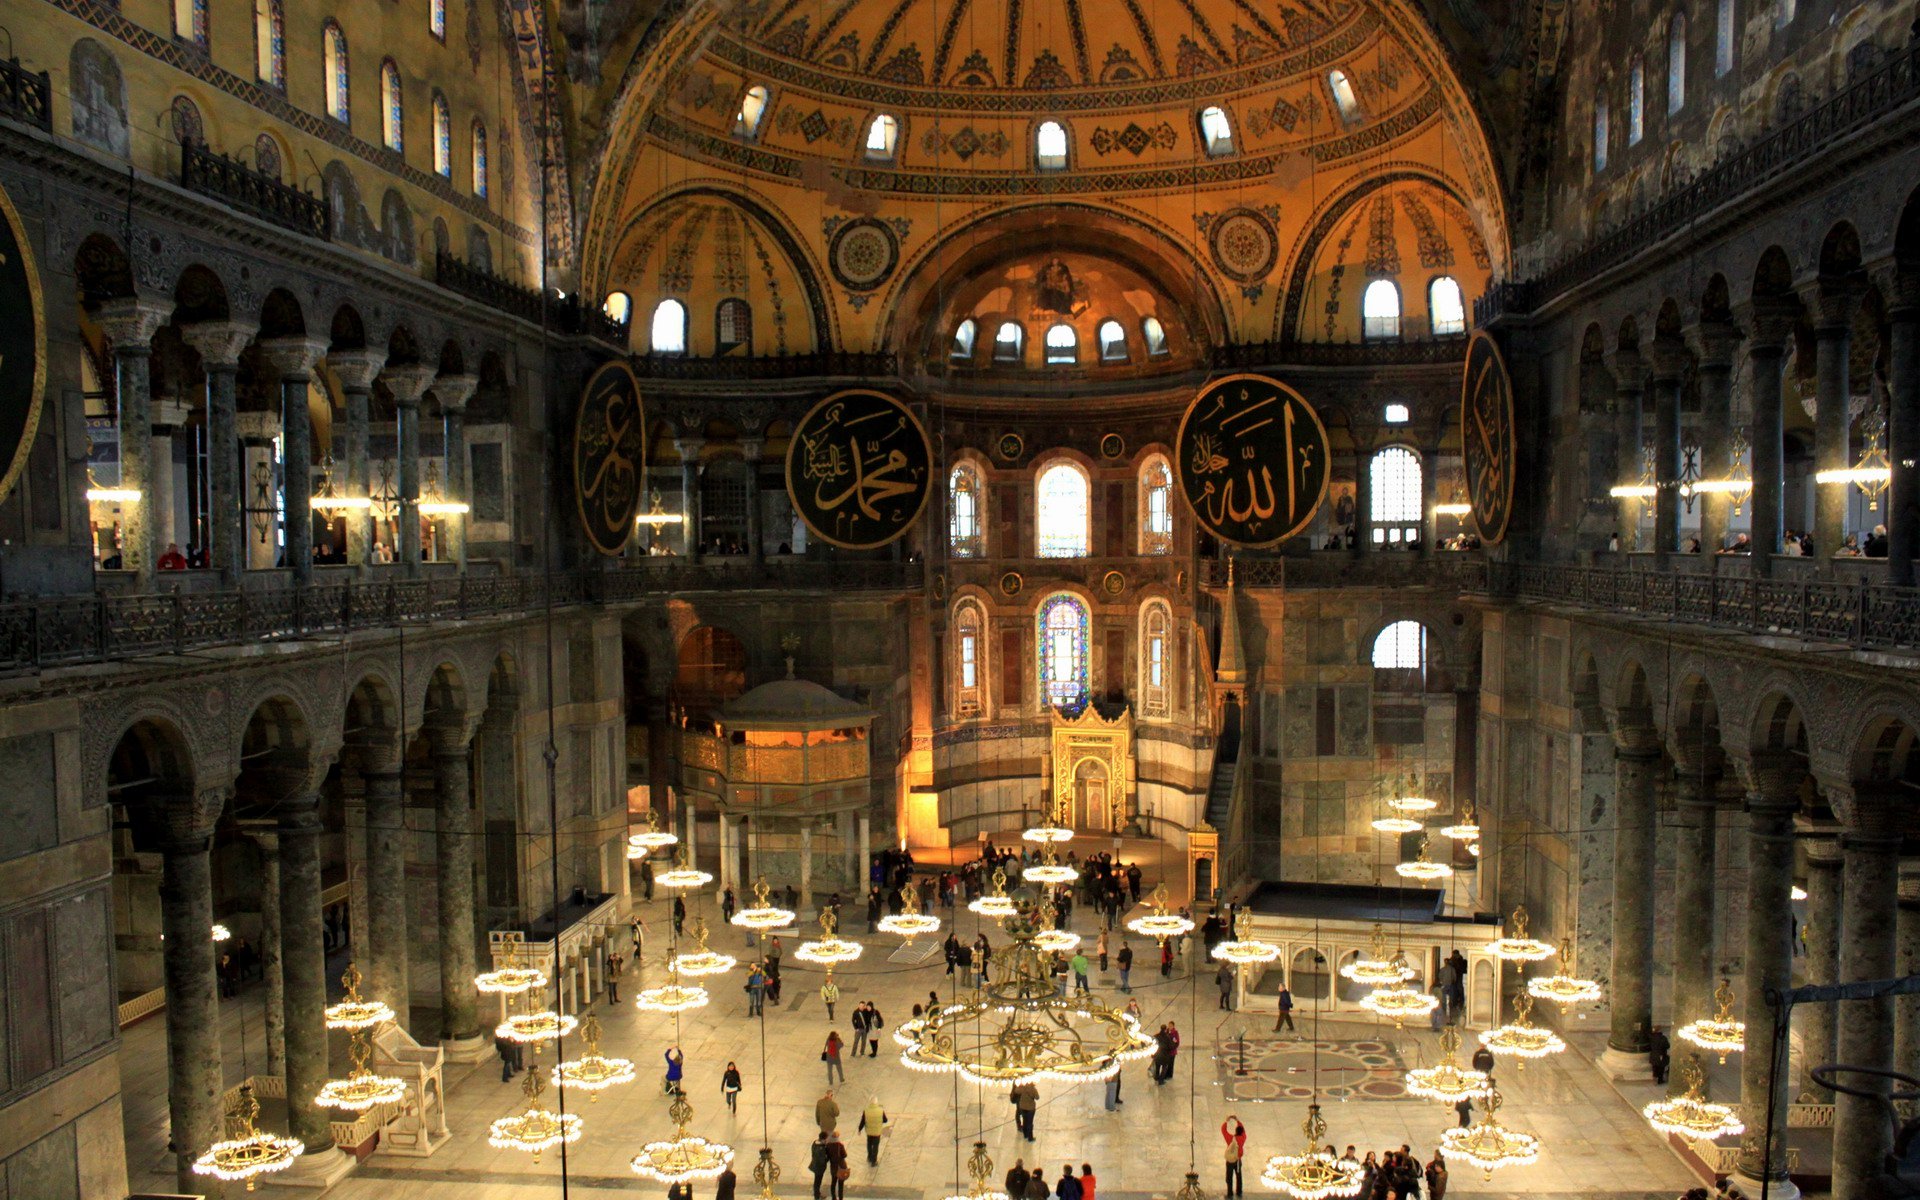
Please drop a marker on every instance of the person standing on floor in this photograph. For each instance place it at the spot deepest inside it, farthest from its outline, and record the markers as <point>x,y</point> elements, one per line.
<point>951,947</point>
<point>646,879</point>
<point>614,966</point>
<point>1015,1183</point>
<point>726,906</point>
<point>826,1113</point>
<point>829,995</point>
<point>1100,951</point>
<point>1166,959</point>
<point>873,1123</point>
<point>756,990</point>
<point>730,1087</point>
<point>1126,965</point>
<point>1437,1177</point>
<point>1224,980</point>
<point>509,1052</point>
<point>1068,1188</point>
<point>1113,1092</point>
<point>675,1061</point>
<point>818,1162</point>
<point>1162,1063</point>
<point>875,1025</point>
<point>773,970</point>
<point>1235,1135</point>
<point>1284,1010</point>
<point>859,1019</point>
<point>724,1185</point>
<point>1659,1053</point>
<point>1086,1181</point>
<point>679,917</point>
<point>837,1161</point>
<point>1037,1185</point>
<point>1079,965</point>
<point>1026,1102</point>
<point>831,1056</point>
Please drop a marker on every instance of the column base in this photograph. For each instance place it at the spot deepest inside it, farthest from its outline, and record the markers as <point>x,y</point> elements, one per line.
<point>1625,1066</point>
<point>314,1171</point>
<point>467,1049</point>
<point>1741,1184</point>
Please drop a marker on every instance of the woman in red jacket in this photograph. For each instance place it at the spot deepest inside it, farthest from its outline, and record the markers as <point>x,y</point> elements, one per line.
<point>831,1057</point>
<point>1236,1137</point>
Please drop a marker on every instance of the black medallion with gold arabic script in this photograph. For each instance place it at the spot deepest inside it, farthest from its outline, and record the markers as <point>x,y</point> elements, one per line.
<point>1252,458</point>
<point>23,346</point>
<point>609,456</point>
<point>1487,437</point>
<point>859,469</point>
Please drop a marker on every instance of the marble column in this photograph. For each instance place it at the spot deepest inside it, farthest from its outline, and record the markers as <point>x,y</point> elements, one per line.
<point>1870,851</point>
<point>750,830</point>
<point>453,392</point>
<point>130,323</point>
<point>1772,326</point>
<point>303,961</point>
<point>689,838</point>
<point>257,487</point>
<point>293,359</point>
<point>1694,881</point>
<point>1637,769</point>
<point>407,384</point>
<point>169,416</point>
<point>1629,398</point>
<point>1714,342</point>
<point>459,1001</point>
<point>274,1018</point>
<point>356,370</point>
<point>689,451</point>
<point>388,901</point>
<point>1906,1009</point>
<point>219,344</point>
<point>1429,496</point>
<point>1833,310</point>
<point>806,867</point>
<point>1362,501</point>
<point>1669,364</point>
<point>756,551</point>
<point>1816,1021</point>
<point>728,876</point>
<point>1773,796</point>
<point>866,853</point>
<point>1903,427</point>
<point>194,1073</point>
<point>845,822</point>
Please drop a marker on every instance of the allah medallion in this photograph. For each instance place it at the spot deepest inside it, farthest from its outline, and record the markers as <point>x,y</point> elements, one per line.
<point>1252,460</point>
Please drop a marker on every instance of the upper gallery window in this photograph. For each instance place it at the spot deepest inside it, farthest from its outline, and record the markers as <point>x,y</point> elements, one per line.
<point>1156,506</point>
<point>190,21</point>
<point>1401,646</point>
<point>1154,335</point>
<point>1344,97</point>
<point>1155,625</point>
<point>964,496</point>
<point>1636,103</point>
<point>753,107</point>
<point>967,624</point>
<point>1723,37</point>
<point>269,43</point>
<point>1396,414</point>
<point>1446,308</point>
<point>618,307</point>
<point>963,334</point>
<point>437,18</point>
<point>392,110</point>
<point>1216,133</point>
<point>479,160</point>
<point>1050,146</point>
<point>1063,512</point>
<point>1063,651</point>
<point>1113,341</point>
<point>1063,345</point>
<point>442,138</point>
<point>1394,496</point>
<point>1380,310</point>
<point>733,325</point>
<point>669,333</point>
<point>882,132</point>
<point>333,62</point>
<point>1008,342</point>
<point>1599,134</point>
<point>1676,63</point>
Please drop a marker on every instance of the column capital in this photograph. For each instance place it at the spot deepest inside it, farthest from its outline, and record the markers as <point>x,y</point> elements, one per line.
<point>257,428</point>
<point>689,449</point>
<point>1669,360</point>
<point>219,343</point>
<point>447,740</point>
<point>131,321</point>
<point>189,819</point>
<point>408,383</point>
<point>751,449</point>
<point>1772,778</point>
<point>1770,321</point>
<point>356,368</point>
<point>1870,812</point>
<point>293,358</point>
<point>264,831</point>
<point>1715,342</point>
<point>1902,289</point>
<point>169,415</point>
<point>1823,850</point>
<point>1628,368</point>
<point>1833,302</point>
<point>1641,742</point>
<point>453,391</point>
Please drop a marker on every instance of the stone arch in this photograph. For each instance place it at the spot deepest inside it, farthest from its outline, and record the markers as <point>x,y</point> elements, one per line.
<point>275,754</point>
<point>102,270</point>
<point>199,295</point>
<point>1777,720</point>
<point>281,315</point>
<point>1881,742</point>
<point>444,700</point>
<point>1632,693</point>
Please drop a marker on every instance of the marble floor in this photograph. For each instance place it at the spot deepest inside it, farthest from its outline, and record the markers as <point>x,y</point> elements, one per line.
<point>1596,1144</point>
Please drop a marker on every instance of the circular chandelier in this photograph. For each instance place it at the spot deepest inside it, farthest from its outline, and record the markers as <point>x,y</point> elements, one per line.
<point>652,837</point>
<point>361,1089</point>
<point>980,1170</point>
<point>1245,949</point>
<point>829,949</point>
<point>1564,988</point>
<point>1048,834</point>
<point>684,1157</point>
<point>1397,825</point>
<point>1159,923</point>
<point>684,875</point>
<point>762,913</point>
<point>1399,1003</point>
<point>1468,830</point>
<point>221,933</point>
<point>592,1072</point>
<point>510,981</point>
<point>537,1129</point>
<point>1449,1082</point>
<point>1055,941</point>
<point>1375,968</point>
<point>1412,802</point>
<point>671,997</point>
<point>635,853</point>
<point>1518,947</point>
<point>1796,892</point>
<point>1520,1038</point>
<point>1720,1033</point>
<point>1049,872</point>
<point>1488,1144</point>
<point>247,1153</point>
<point>909,922</point>
<point>1313,1174</point>
<point>534,1027</point>
<point>701,961</point>
<point>352,1012</point>
<point>995,904</point>
<point>1423,868</point>
<point>1692,1115</point>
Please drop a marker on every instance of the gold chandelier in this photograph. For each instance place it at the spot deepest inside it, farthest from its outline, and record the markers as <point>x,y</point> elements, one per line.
<point>1397,825</point>
<point>361,1089</point>
<point>1720,1033</point>
<point>538,1128</point>
<point>354,1013</point>
<point>1449,1082</point>
<point>1313,1174</point>
<point>701,961</point>
<point>1468,829</point>
<point>1423,868</point>
<point>980,1170</point>
<point>247,1153</point>
<point>652,837</point>
<point>1049,870</point>
<point>592,1072</point>
<point>684,1157</point>
<point>909,922</point>
<point>1245,949</point>
<point>671,997</point>
<point>829,949</point>
<point>1564,988</point>
<point>1488,1144</point>
<point>1159,923</point>
<point>536,1026</point>
<point>1410,800</point>
<point>510,981</point>
<point>1692,1115</point>
<point>221,933</point>
<point>1376,968</point>
<point>1518,947</point>
<point>763,914</point>
<point>1399,1003</point>
<point>995,904</point>
<point>684,876</point>
<point>1053,938</point>
<point>1871,474</point>
<point>766,1173</point>
<point>1520,1038</point>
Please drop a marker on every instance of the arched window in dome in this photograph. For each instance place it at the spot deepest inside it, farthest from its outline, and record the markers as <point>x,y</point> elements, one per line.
<point>437,18</point>
<point>1155,336</point>
<point>479,159</point>
<point>1216,132</point>
<point>1723,37</point>
<point>333,61</point>
<point>1156,506</point>
<point>1113,341</point>
<point>969,657</point>
<point>618,307</point>
<point>882,132</point>
<point>190,21</point>
<point>669,332</point>
<point>1063,345</point>
<point>1062,628</point>
<point>392,107</point>
<point>1393,495</point>
<point>442,138</point>
<point>966,510</point>
<point>1380,311</point>
<point>1600,132</point>
<point>270,43</point>
<point>1396,414</point>
<point>1050,146</point>
<point>1676,63</point>
<point>1446,308</point>
<point>733,326</point>
<point>963,335</point>
<point>1008,342</point>
<point>1156,630</point>
<point>1063,512</point>
<point>1636,103</point>
<point>753,108</point>
<point>1345,99</point>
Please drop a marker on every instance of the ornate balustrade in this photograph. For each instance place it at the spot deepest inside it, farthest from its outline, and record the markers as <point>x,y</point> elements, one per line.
<point>1413,352</point>
<point>1464,571</point>
<point>26,96</point>
<point>825,364</point>
<point>254,192</point>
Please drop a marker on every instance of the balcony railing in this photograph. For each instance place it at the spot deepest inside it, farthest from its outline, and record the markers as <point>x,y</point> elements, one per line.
<point>254,192</point>
<point>1412,352</point>
<point>1461,570</point>
<point>26,96</point>
<point>785,366</point>
<point>488,288</point>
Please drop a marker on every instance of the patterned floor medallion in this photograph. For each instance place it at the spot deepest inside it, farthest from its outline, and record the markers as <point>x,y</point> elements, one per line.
<point>1283,1070</point>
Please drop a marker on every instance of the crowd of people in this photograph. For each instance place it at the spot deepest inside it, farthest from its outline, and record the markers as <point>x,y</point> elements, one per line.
<point>1793,544</point>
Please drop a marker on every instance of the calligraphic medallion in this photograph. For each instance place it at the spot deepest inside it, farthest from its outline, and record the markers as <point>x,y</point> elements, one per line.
<point>859,469</point>
<point>609,456</point>
<point>1252,460</point>
<point>1487,437</point>
<point>23,346</point>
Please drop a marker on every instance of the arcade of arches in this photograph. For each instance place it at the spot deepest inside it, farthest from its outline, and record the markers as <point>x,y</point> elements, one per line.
<point>466,462</point>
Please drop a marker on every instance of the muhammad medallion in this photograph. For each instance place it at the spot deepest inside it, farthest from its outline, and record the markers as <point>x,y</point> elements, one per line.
<point>23,347</point>
<point>859,469</point>
<point>609,456</point>
<point>1252,460</point>
<point>1487,437</point>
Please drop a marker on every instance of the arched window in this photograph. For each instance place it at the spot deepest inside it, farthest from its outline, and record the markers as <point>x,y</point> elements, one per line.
<point>1445,307</point>
<point>1636,103</point>
<point>733,326</point>
<point>479,159</point>
<point>333,61</point>
<point>1063,512</point>
<point>442,138</point>
<point>1156,506</point>
<point>1155,335</point>
<point>1599,134</point>
<point>437,18</point>
<point>669,333</point>
<point>1063,345</point>
<point>1156,629</point>
<point>1007,342</point>
<point>1216,132</point>
<point>1113,341</point>
<point>270,43</point>
<point>1723,37</point>
<point>1063,651</point>
<point>1345,99</point>
<point>1676,63</point>
<point>190,21</point>
<point>882,132</point>
<point>1380,311</point>
<point>392,108</point>
<point>963,334</point>
<point>1050,146</point>
<point>753,107</point>
<point>1394,496</point>
<point>1396,414</point>
<point>1401,648</point>
<point>969,658</point>
<point>1783,11</point>
<point>966,504</point>
<point>618,307</point>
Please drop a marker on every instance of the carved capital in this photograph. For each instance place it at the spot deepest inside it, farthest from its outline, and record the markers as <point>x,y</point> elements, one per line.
<point>408,383</point>
<point>1871,812</point>
<point>1632,739</point>
<point>1669,360</point>
<point>169,415</point>
<point>1715,342</point>
<point>131,321</point>
<point>689,449</point>
<point>219,343</point>
<point>257,428</point>
<point>1772,779</point>
<point>446,740</point>
<point>453,391</point>
<point>190,818</point>
<point>1832,304</point>
<point>1629,370</point>
<point>292,358</point>
<point>1902,290</point>
<point>356,368</point>
<point>1823,852</point>
<point>1770,321</point>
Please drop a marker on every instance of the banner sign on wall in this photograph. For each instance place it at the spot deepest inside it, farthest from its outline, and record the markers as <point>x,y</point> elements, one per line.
<point>1487,437</point>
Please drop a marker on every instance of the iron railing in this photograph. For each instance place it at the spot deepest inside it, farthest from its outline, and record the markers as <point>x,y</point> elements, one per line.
<point>489,289</point>
<point>1412,352</point>
<point>26,96</point>
<point>843,363</point>
<point>252,191</point>
<point>1463,571</point>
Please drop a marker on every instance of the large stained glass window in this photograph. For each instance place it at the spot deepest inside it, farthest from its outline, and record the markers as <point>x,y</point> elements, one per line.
<point>1156,625</point>
<point>1156,506</point>
<point>442,138</point>
<point>968,625</point>
<point>963,512</point>
<point>393,111</point>
<point>1063,524</point>
<point>1063,651</point>
<point>333,57</point>
<point>269,43</point>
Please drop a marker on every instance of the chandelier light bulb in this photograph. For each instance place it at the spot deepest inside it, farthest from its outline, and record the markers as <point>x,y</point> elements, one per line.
<point>221,933</point>
<point>684,876</point>
<point>1423,868</point>
<point>510,981</point>
<point>995,904</point>
<point>352,1012</point>
<point>1399,1003</point>
<point>537,1129</point>
<point>673,997</point>
<point>1397,825</point>
<point>592,1072</point>
<point>1692,1115</point>
<point>1468,830</point>
<point>829,949</point>
<point>1565,988</point>
<point>685,1157</point>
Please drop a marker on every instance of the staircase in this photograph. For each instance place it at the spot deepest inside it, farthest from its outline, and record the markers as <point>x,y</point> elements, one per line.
<point>1220,791</point>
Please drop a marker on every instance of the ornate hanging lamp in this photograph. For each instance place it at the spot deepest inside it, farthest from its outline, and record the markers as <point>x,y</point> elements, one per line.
<point>684,1157</point>
<point>510,981</point>
<point>1245,949</point>
<point>1517,946</point>
<point>1423,868</point>
<point>247,1153</point>
<point>1376,968</point>
<point>653,837</point>
<point>1872,473</point>
<point>1488,1144</point>
<point>1520,1038</point>
<point>980,1170</point>
<point>1399,1004</point>
<point>535,1026</point>
<point>361,1089</point>
<point>684,876</point>
<point>1467,830</point>
<point>701,961</point>
<point>538,1128</point>
<point>1449,1082</point>
<point>671,997</point>
<point>1692,1115</point>
<point>593,1072</point>
<point>1313,1174</point>
<point>1719,1033</point>
<point>1566,987</point>
<point>909,922</point>
<point>1409,798</point>
<point>995,904</point>
<point>829,949</point>
<point>763,914</point>
<point>1160,924</point>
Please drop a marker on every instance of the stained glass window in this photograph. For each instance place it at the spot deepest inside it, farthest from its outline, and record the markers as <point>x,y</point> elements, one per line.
<point>963,503</point>
<point>1063,651</point>
<point>967,626</point>
<point>269,43</point>
<point>1676,62</point>
<point>392,108</point>
<point>442,138</point>
<point>1723,37</point>
<point>1156,507</point>
<point>266,155</point>
<point>733,325</point>
<point>1599,134</point>
<point>334,62</point>
<point>1636,103</point>
<point>1155,625</point>
<point>190,21</point>
<point>1064,512</point>
<point>480,160</point>
<point>437,18</point>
